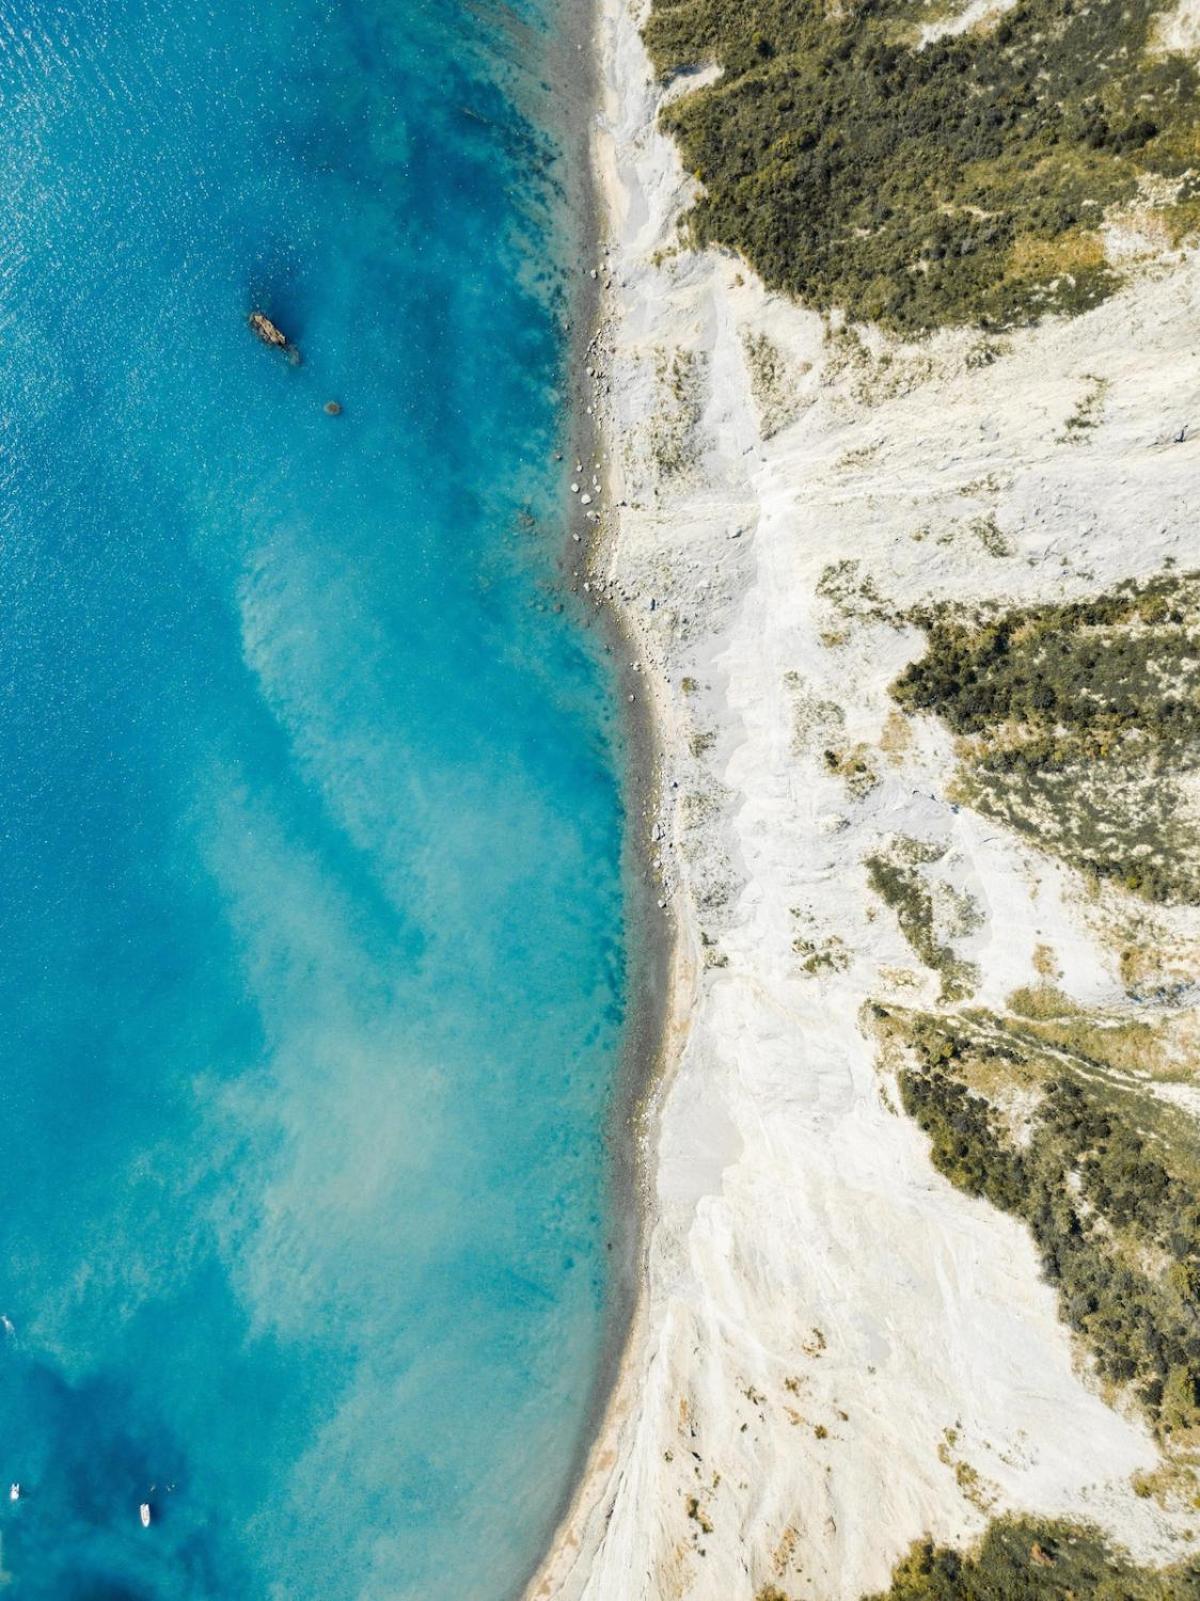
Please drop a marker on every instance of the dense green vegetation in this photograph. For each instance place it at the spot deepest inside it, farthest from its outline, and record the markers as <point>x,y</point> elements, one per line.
<point>1078,664</point>
<point>1080,725</point>
<point>1114,1207</point>
<point>1028,1559</point>
<point>960,182</point>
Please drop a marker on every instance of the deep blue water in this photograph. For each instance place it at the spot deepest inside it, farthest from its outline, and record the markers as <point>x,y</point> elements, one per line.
<point>312,967</point>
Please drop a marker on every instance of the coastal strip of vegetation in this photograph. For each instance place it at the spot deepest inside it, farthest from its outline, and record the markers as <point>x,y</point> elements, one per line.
<point>1034,1559</point>
<point>1036,1114</point>
<point>1078,725</point>
<point>962,177</point>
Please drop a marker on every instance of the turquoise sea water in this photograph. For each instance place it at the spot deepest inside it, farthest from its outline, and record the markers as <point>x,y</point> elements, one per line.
<point>311,955</point>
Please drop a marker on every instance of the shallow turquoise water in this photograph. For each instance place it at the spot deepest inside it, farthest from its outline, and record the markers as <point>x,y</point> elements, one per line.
<point>311,955</point>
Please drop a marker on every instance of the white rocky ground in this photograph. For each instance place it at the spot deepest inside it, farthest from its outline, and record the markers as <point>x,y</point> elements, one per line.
<point>837,1352</point>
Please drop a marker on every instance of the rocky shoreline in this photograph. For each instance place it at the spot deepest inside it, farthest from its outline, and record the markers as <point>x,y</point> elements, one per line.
<point>834,1351</point>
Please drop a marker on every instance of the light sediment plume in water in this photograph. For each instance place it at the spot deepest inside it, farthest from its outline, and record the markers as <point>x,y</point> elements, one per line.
<point>311,916</point>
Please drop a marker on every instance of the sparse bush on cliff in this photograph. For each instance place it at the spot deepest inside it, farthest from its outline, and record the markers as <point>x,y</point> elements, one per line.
<point>896,878</point>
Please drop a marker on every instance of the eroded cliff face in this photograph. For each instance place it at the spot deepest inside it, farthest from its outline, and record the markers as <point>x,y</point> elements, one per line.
<point>920,618</point>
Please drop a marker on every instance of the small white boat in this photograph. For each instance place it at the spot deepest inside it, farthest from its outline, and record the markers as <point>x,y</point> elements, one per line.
<point>14,1492</point>
<point>144,1514</point>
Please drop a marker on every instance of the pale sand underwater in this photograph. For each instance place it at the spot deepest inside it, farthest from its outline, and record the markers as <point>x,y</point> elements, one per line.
<point>313,963</point>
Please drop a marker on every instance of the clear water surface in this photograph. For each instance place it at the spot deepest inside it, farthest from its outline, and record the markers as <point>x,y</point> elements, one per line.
<point>311,951</point>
